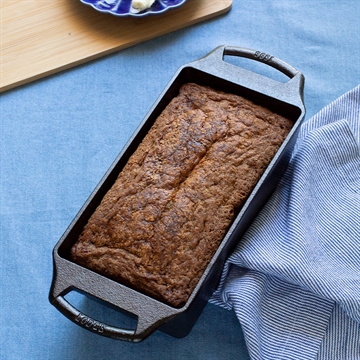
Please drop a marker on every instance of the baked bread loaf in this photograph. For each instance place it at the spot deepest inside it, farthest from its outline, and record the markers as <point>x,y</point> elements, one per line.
<point>159,225</point>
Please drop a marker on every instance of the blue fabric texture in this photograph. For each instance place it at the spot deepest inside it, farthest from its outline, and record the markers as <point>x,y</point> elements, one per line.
<point>294,279</point>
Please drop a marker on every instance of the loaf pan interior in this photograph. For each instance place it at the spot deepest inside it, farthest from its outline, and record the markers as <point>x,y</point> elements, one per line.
<point>187,74</point>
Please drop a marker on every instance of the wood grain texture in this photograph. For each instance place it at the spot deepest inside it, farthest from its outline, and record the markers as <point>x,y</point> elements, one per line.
<point>42,37</point>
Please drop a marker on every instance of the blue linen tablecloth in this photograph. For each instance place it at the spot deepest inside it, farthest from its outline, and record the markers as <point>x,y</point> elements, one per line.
<point>59,135</point>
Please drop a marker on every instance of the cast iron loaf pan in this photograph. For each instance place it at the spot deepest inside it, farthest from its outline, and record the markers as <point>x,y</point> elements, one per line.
<point>285,98</point>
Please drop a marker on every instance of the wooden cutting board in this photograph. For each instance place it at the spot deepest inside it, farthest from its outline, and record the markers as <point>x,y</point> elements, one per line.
<point>41,37</point>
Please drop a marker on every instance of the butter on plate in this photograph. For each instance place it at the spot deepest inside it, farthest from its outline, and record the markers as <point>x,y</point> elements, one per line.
<point>141,4</point>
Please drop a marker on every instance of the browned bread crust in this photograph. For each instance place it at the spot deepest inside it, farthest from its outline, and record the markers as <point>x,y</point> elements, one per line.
<point>160,224</point>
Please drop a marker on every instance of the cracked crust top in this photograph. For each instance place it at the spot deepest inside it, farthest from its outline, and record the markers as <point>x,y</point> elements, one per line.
<point>160,224</point>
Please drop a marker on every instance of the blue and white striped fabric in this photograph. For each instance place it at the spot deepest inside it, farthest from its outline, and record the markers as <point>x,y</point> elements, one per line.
<point>294,279</point>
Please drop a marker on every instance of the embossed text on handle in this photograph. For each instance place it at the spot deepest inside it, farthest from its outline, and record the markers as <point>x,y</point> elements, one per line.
<point>90,323</point>
<point>263,56</point>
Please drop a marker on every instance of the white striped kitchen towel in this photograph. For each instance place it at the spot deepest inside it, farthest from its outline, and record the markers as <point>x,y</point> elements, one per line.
<point>294,279</point>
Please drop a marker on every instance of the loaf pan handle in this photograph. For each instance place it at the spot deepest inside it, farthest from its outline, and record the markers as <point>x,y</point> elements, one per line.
<point>290,91</point>
<point>267,59</point>
<point>91,324</point>
<point>68,277</point>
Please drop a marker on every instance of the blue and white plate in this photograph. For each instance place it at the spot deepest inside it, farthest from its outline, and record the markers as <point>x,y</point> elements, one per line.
<point>123,7</point>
